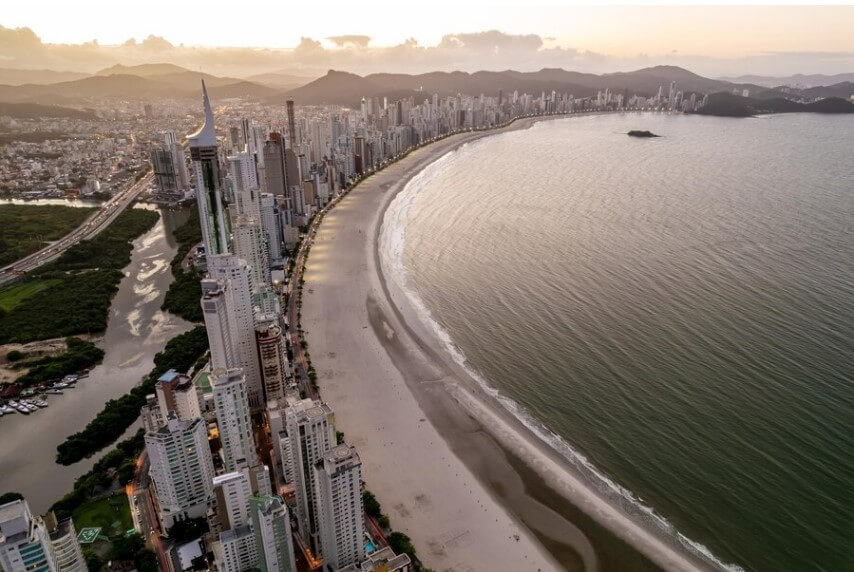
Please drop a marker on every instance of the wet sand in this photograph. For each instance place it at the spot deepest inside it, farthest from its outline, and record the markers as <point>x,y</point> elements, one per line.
<point>470,484</point>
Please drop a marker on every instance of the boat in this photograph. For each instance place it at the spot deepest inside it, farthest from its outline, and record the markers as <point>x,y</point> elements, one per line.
<point>40,403</point>
<point>53,391</point>
<point>20,407</point>
<point>6,409</point>
<point>30,405</point>
<point>59,385</point>
<point>70,379</point>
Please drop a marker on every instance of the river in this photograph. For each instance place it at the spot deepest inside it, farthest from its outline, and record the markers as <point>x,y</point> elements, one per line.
<point>137,329</point>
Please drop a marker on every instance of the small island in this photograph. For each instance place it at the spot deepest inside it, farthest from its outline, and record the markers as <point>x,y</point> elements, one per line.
<point>637,133</point>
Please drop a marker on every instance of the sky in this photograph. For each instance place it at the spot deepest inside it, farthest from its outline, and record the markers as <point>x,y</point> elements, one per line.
<point>372,35</point>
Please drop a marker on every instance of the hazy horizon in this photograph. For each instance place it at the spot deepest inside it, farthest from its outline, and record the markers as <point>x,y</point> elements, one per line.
<point>712,41</point>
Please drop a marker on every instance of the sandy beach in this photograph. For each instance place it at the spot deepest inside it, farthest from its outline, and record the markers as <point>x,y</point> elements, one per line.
<point>470,484</point>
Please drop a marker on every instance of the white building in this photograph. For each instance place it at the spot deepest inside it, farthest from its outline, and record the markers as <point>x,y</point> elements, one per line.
<point>234,273</point>
<point>24,542</point>
<point>176,392</point>
<point>181,469</point>
<point>339,507</point>
<point>272,228</point>
<point>310,428</point>
<point>272,526</point>
<point>66,548</point>
<point>233,419</point>
<point>220,324</point>
<point>250,244</point>
<point>236,548</point>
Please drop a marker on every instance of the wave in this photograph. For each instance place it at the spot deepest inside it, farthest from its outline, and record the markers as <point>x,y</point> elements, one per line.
<point>391,244</point>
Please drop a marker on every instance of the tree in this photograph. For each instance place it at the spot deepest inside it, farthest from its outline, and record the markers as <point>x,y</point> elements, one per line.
<point>146,561</point>
<point>401,544</point>
<point>93,561</point>
<point>9,497</point>
<point>126,547</point>
<point>372,505</point>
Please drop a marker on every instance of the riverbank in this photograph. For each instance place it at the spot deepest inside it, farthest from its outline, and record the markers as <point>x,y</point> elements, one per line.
<point>457,472</point>
<point>136,331</point>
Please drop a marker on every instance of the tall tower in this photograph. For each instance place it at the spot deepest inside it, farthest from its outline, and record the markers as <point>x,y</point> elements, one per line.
<point>292,124</point>
<point>181,469</point>
<point>338,477</point>
<point>204,153</point>
<point>235,273</point>
<point>311,432</point>
<point>220,323</point>
<point>272,526</point>
<point>66,547</point>
<point>233,420</point>
<point>24,542</point>
<point>271,352</point>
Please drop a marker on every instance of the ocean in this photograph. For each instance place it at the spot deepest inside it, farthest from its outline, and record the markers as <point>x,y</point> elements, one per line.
<point>674,315</point>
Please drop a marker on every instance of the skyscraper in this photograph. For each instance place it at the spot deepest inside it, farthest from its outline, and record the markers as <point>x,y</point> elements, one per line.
<point>271,353</point>
<point>66,547</point>
<point>176,393</point>
<point>236,549</point>
<point>338,504</point>
<point>181,469</point>
<point>234,272</point>
<point>204,153</point>
<point>250,244</point>
<point>272,526</point>
<point>220,323</point>
<point>24,542</point>
<point>311,432</point>
<point>270,223</point>
<point>233,420</point>
<point>292,124</point>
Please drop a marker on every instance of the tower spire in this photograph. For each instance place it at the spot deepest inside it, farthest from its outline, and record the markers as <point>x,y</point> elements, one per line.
<point>206,135</point>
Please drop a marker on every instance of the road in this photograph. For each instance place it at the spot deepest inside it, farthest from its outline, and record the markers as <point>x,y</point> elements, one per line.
<point>89,229</point>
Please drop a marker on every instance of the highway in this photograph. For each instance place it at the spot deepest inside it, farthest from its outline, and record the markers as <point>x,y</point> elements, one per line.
<point>89,229</point>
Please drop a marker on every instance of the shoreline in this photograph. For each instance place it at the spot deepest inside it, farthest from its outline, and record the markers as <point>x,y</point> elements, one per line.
<point>566,524</point>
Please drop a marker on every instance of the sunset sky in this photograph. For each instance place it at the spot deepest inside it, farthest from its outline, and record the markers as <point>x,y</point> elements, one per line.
<point>619,36</point>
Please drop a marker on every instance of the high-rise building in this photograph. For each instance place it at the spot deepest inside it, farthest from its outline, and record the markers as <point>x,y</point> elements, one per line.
<point>272,526</point>
<point>272,356</point>
<point>339,507</point>
<point>220,323</point>
<point>204,153</point>
<point>244,175</point>
<point>181,469</point>
<point>234,273</point>
<point>24,541</point>
<point>235,549</point>
<point>233,419</point>
<point>164,173</point>
<point>271,225</point>
<point>311,432</point>
<point>250,244</point>
<point>292,124</point>
<point>66,548</point>
<point>176,392</point>
<point>179,159</point>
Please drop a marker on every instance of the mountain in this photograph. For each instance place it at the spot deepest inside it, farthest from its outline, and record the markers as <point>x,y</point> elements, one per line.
<point>729,105</point>
<point>142,70</point>
<point>279,80</point>
<point>181,84</point>
<point>19,77</point>
<point>35,110</point>
<point>347,89</point>
<point>843,90</point>
<point>796,80</point>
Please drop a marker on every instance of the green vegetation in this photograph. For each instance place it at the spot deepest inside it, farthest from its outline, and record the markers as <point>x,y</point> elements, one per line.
<point>132,548</point>
<point>15,355</point>
<point>182,298</point>
<point>9,497</point>
<point>82,283</point>
<point>78,356</point>
<point>11,297</point>
<point>401,544</point>
<point>112,514</point>
<point>118,414</point>
<point>24,229</point>
<point>99,478</point>
<point>372,505</point>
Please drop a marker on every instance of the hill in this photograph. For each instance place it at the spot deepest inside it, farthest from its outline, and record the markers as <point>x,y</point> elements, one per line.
<point>20,77</point>
<point>280,80</point>
<point>142,70</point>
<point>180,85</point>
<point>348,89</point>
<point>729,105</point>
<point>801,80</point>
<point>35,111</point>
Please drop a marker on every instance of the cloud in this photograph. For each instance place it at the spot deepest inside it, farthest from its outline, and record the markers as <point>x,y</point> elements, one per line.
<point>350,40</point>
<point>488,50</point>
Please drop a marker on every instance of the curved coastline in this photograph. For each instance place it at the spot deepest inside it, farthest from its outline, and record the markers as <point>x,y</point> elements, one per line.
<point>531,481</point>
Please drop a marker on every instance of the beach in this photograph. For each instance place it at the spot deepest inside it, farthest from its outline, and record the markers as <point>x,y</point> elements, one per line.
<point>472,486</point>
